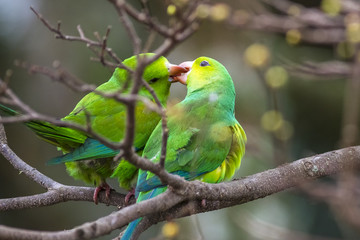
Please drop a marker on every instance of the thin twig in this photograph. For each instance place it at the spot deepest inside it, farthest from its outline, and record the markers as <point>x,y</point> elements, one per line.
<point>82,38</point>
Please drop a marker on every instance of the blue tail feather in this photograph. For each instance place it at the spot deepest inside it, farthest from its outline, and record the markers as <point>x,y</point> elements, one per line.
<point>130,229</point>
<point>142,197</point>
<point>91,149</point>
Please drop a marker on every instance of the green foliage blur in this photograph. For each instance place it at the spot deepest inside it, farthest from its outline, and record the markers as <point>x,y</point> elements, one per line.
<point>309,121</point>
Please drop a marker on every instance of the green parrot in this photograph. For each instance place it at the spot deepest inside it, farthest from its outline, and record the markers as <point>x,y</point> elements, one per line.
<point>86,158</point>
<point>205,140</point>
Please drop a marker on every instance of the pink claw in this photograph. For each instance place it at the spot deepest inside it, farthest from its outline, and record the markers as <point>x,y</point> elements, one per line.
<point>130,194</point>
<point>102,186</point>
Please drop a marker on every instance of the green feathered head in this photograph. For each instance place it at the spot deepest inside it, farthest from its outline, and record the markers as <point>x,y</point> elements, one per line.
<point>206,74</point>
<point>159,74</point>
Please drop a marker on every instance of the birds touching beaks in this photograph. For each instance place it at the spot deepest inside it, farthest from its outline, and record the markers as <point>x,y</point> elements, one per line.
<point>205,141</point>
<point>86,158</point>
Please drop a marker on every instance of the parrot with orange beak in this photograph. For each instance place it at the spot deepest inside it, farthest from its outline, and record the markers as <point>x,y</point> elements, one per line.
<point>86,158</point>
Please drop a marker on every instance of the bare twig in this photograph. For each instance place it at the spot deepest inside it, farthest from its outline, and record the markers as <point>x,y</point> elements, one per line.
<point>82,38</point>
<point>136,41</point>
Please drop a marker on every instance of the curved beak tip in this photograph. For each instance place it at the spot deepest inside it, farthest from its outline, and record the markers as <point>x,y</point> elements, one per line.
<point>176,70</point>
<point>178,73</point>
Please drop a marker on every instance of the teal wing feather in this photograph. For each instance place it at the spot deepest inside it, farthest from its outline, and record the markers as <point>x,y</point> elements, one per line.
<point>142,197</point>
<point>91,149</point>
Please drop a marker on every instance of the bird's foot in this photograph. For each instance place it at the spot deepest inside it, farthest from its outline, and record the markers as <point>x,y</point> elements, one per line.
<point>102,186</point>
<point>130,194</point>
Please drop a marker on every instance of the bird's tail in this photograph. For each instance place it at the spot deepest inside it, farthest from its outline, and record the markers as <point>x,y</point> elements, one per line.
<point>91,149</point>
<point>63,137</point>
<point>128,234</point>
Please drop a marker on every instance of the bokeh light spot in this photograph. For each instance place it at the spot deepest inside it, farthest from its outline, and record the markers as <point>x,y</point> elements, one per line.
<point>272,120</point>
<point>276,76</point>
<point>170,230</point>
<point>331,7</point>
<point>345,50</point>
<point>293,36</point>
<point>257,55</point>
<point>220,12</point>
<point>203,11</point>
<point>171,9</point>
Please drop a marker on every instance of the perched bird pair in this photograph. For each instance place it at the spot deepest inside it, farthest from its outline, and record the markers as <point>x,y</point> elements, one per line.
<point>205,140</point>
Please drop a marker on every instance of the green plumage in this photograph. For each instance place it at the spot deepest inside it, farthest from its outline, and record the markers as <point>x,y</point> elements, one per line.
<point>108,118</point>
<point>86,158</point>
<point>205,140</point>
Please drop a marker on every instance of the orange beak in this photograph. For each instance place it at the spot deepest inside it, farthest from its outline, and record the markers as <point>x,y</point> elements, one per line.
<point>176,70</point>
<point>182,78</point>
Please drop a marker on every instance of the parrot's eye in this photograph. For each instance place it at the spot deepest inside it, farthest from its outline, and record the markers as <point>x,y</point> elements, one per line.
<point>154,80</point>
<point>204,64</point>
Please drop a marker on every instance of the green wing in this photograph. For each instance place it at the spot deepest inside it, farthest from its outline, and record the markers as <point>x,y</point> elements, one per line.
<point>63,137</point>
<point>103,114</point>
<point>195,148</point>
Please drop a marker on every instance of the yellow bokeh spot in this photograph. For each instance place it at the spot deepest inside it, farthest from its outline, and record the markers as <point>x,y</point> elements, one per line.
<point>171,9</point>
<point>294,10</point>
<point>203,11</point>
<point>240,17</point>
<point>257,55</point>
<point>345,50</point>
<point>331,7</point>
<point>220,12</point>
<point>170,230</point>
<point>272,120</point>
<point>293,36</point>
<point>353,32</point>
<point>285,132</point>
<point>276,76</point>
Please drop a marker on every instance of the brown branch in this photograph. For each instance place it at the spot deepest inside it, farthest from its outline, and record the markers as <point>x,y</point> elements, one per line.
<point>326,70</point>
<point>312,17</point>
<point>165,129</point>
<point>175,203</point>
<point>142,18</point>
<point>29,115</point>
<point>62,193</point>
<point>314,25</point>
<point>259,185</point>
<point>56,192</point>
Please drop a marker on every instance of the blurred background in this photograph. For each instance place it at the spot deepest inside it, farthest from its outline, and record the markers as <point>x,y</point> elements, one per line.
<point>286,117</point>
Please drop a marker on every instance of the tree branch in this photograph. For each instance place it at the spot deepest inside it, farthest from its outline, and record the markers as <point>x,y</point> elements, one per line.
<point>174,203</point>
<point>56,192</point>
